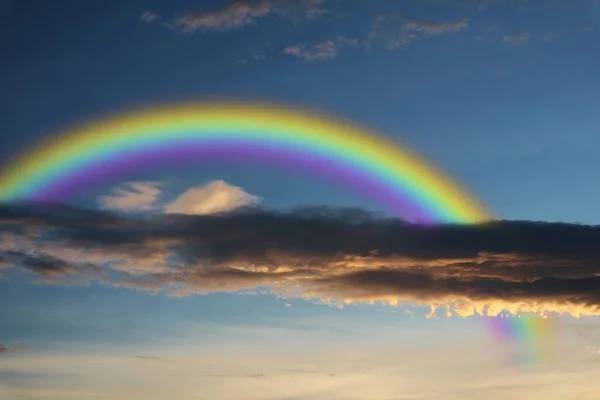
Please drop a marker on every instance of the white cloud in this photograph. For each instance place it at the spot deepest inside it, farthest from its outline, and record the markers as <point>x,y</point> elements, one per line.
<point>134,196</point>
<point>214,197</point>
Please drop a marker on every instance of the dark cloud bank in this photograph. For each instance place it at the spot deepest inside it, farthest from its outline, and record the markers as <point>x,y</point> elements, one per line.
<point>331,254</point>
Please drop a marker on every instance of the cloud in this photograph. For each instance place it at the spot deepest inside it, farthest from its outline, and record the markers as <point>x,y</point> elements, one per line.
<point>134,196</point>
<point>50,267</point>
<point>237,14</point>
<point>331,255</point>
<point>214,197</point>
<point>517,38</point>
<point>398,31</point>
<point>148,16</point>
<point>326,50</point>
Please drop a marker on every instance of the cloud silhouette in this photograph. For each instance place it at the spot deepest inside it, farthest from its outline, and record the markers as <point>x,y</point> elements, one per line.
<point>333,255</point>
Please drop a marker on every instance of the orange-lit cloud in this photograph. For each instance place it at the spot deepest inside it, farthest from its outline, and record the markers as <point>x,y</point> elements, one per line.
<point>333,256</point>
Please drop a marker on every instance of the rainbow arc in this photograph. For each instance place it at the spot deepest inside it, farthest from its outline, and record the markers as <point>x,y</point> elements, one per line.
<point>392,175</point>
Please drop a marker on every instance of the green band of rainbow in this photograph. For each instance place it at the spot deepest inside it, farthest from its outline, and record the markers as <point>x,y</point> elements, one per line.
<point>127,140</point>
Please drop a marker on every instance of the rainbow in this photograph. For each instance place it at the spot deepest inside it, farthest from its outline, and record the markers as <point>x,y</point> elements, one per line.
<point>393,176</point>
<point>526,338</point>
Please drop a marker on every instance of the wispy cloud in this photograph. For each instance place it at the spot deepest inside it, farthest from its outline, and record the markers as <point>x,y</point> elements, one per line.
<point>334,255</point>
<point>240,13</point>
<point>148,16</point>
<point>517,38</point>
<point>326,50</point>
<point>132,196</point>
<point>234,15</point>
<point>398,31</point>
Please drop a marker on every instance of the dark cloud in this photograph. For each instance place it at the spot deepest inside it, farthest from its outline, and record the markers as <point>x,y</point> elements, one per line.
<point>334,254</point>
<point>50,267</point>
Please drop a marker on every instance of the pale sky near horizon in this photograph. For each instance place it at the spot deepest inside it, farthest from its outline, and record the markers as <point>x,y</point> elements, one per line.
<point>502,95</point>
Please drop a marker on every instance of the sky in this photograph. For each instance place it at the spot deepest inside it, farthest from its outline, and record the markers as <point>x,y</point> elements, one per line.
<point>210,281</point>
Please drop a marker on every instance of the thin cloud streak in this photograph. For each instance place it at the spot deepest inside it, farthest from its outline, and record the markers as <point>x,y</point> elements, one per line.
<point>517,38</point>
<point>238,14</point>
<point>323,51</point>
<point>333,256</point>
<point>397,31</point>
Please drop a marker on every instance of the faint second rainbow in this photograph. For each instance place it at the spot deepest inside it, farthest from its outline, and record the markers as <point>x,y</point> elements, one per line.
<point>530,338</point>
<point>379,168</point>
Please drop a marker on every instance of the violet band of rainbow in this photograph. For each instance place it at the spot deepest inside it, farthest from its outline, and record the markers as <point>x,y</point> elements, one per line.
<point>321,167</point>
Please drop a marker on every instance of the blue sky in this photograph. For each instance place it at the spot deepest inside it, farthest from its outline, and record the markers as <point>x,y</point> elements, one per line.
<point>514,121</point>
<point>501,95</point>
